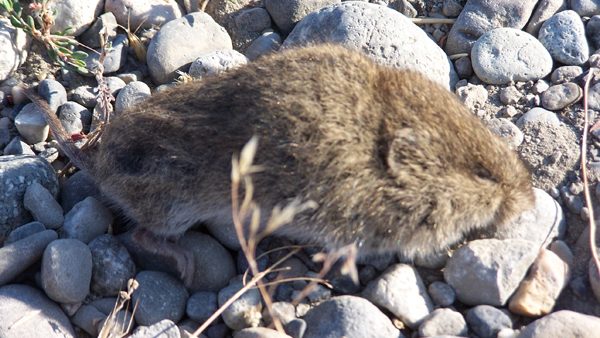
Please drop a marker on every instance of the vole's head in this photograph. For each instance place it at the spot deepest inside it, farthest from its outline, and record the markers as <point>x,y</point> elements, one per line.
<point>450,174</point>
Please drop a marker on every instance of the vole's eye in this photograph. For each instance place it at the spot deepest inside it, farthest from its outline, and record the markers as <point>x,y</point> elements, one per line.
<point>483,173</point>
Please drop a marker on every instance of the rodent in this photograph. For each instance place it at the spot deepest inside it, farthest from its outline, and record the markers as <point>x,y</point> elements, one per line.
<point>393,160</point>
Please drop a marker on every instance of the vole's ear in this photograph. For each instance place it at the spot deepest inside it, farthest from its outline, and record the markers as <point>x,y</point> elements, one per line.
<point>408,148</point>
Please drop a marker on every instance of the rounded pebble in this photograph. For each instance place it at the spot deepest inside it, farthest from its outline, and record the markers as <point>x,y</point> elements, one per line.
<point>170,50</point>
<point>74,116</point>
<point>560,96</point>
<point>585,7</point>
<point>563,324</point>
<point>401,291</point>
<point>54,93</point>
<point>15,45</point>
<point>443,322</point>
<point>24,231</point>
<point>592,31</point>
<point>132,94</point>
<point>159,296</point>
<point>505,55</point>
<point>287,13</point>
<point>347,311</point>
<point>246,311</point>
<point>87,220</point>
<point>216,62</point>
<point>563,35</point>
<point>66,270</point>
<point>30,249</point>
<point>76,188</point>
<point>486,321</point>
<point>112,266</point>
<point>213,264</point>
<point>267,43</point>
<point>565,74</point>
<point>507,130</point>
<point>201,305</point>
<point>31,124</point>
<point>441,293</point>
<point>488,271</point>
<point>143,13</point>
<point>75,14</point>
<point>163,329</point>
<point>27,312</point>
<point>538,115</point>
<point>382,33</point>
<point>42,205</point>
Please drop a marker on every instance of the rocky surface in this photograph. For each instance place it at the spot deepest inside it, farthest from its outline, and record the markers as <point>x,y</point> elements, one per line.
<point>66,253</point>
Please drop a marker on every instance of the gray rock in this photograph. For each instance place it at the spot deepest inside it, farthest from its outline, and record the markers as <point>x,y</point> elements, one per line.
<point>507,130</point>
<point>159,296</point>
<point>144,14</point>
<point>66,270</point>
<point>31,124</point>
<point>87,318</point>
<point>442,294</point>
<point>381,33</point>
<point>585,7</point>
<point>284,311</point>
<point>246,25</point>
<point>42,205</point>
<point>216,62</point>
<point>16,174</point>
<point>17,256</point>
<point>105,24</point>
<point>481,16</point>
<point>348,311</point>
<point>5,131</point>
<point>488,271</point>
<point>543,11</point>
<point>225,235</point>
<point>115,57</point>
<point>563,35</point>
<point>287,13</point>
<point>27,312</point>
<point>296,328</point>
<point>401,291</point>
<point>132,94</point>
<point>84,95</point>
<point>74,117</point>
<point>87,220</point>
<point>565,74</point>
<point>201,305</point>
<point>592,31</point>
<point>112,266</point>
<point>53,92</point>
<point>563,324</point>
<point>452,8</point>
<point>540,86</point>
<point>473,96</point>
<point>18,147</point>
<point>506,55</point>
<point>268,42</point>
<point>561,95</point>
<point>510,95</point>
<point>76,188</point>
<point>539,225</point>
<point>14,53</point>
<point>259,332</point>
<point>74,14</point>
<point>243,312</point>
<point>463,67</point>
<point>163,329</point>
<point>402,6</point>
<point>536,116</point>
<point>115,84</point>
<point>170,50</point>
<point>24,231</point>
<point>594,97</point>
<point>486,321</point>
<point>214,266</point>
<point>443,322</point>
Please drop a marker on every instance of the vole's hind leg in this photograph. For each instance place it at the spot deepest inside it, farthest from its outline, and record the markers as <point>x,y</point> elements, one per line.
<point>158,245</point>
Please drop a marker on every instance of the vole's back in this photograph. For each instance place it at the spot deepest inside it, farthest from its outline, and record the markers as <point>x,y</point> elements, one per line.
<point>333,127</point>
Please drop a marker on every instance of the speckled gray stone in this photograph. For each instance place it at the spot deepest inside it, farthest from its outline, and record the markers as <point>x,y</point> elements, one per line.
<point>565,74</point>
<point>201,305</point>
<point>544,10</point>
<point>87,220</point>
<point>54,92</point>
<point>486,320</point>
<point>76,188</point>
<point>259,332</point>
<point>43,206</point>
<point>216,62</point>
<point>538,115</point>
<point>17,173</point>
<point>441,293</point>
<point>163,329</point>
<point>348,311</point>
<point>287,13</point>
<point>23,231</point>
<point>74,117</point>
<point>563,324</point>
<point>443,322</point>
<point>27,312</point>
<point>563,35</point>
<point>245,311</point>
<point>17,147</point>
<point>506,55</point>
<point>160,296</point>
<point>592,31</point>
<point>267,43</point>
<point>112,266</point>
<point>561,95</point>
<point>66,270</point>
<point>585,7</point>
<point>382,33</point>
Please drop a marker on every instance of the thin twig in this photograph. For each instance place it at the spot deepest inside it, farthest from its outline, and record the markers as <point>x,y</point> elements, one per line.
<point>586,189</point>
<point>431,21</point>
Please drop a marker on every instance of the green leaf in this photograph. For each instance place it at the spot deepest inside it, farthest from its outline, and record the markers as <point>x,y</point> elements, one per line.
<point>63,50</point>
<point>62,43</point>
<point>15,21</point>
<point>5,5</point>
<point>80,63</point>
<point>80,55</point>
<point>30,21</point>
<point>67,31</point>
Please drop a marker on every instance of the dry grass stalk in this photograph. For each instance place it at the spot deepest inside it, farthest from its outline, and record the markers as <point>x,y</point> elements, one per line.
<point>111,327</point>
<point>584,174</point>
<point>431,21</point>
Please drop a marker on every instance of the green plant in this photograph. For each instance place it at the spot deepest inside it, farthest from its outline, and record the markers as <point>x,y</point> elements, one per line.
<point>60,45</point>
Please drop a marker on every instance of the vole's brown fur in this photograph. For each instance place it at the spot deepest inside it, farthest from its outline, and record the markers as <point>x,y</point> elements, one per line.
<point>393,160</point>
